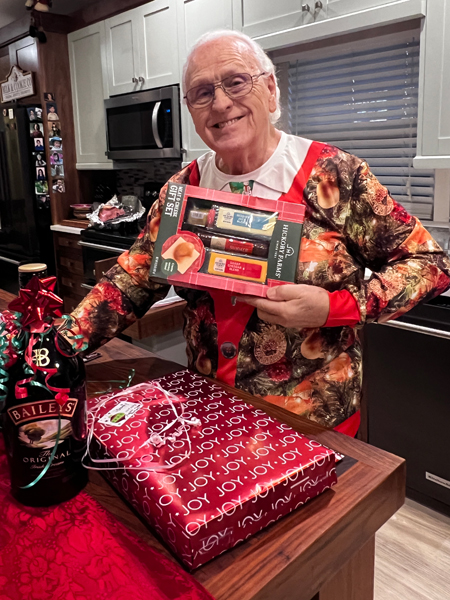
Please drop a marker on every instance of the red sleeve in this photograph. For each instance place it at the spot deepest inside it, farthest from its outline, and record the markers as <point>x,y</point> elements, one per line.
<point>343,310</point>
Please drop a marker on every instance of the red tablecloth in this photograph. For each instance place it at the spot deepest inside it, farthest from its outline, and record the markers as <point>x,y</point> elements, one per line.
<point>79,551</point>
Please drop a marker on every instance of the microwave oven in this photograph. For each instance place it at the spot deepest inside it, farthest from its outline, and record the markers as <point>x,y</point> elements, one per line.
<point>144,125</point>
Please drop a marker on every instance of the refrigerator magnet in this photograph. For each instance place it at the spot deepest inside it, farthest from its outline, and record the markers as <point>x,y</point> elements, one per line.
<point>39,144</point>
<point>41,187</point>
<point>55,144</point>
<point>57,170</point>
<point>39,159</point>
<point>32,114</point>
<point>36,130</point>
<point>58,186</point>
<point>52,112</point>
<point>56,158</point>
<point>54,129</point>
<point>41,174</point>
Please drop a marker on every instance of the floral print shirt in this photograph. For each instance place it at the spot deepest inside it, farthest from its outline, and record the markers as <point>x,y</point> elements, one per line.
<point>351,223</point>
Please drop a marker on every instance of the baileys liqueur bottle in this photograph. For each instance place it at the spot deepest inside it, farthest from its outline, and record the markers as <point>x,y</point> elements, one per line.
<point>44,418</point>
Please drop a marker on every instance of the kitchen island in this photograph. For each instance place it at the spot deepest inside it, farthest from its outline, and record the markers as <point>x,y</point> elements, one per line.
<point>322,551</point>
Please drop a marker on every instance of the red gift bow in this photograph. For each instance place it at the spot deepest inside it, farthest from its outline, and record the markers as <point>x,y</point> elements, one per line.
<point>38,304</point>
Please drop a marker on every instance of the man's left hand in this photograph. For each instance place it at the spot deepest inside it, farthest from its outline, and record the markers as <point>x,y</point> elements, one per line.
<point>294,306</point>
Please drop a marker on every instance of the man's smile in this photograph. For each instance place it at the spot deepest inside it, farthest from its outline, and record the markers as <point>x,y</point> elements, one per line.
<point>223,124</point>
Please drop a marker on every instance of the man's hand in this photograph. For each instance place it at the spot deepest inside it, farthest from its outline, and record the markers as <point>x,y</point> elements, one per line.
<point>295,306</point>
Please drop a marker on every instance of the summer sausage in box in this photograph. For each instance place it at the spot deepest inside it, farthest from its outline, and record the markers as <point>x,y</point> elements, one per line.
<point>235,242</point>
<point>227,470</point>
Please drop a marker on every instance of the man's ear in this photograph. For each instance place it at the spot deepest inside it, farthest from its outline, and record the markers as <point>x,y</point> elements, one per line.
<point>272,86</point>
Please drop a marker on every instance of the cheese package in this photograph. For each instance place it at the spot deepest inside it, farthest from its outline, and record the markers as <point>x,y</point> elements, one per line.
<point>233,219</point>
<point>236,242</point>
<point>239,267</point>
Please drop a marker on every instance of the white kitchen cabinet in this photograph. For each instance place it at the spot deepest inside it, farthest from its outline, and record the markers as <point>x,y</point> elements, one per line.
<point>433,140</point>
<point>122,53</point>
<point>264,17</point>
<point>337,8</point>
<point>89,87</point>
<point>142,48</point>
<point>156,25</point>
<point>260,17</point>
<point>196,17</point>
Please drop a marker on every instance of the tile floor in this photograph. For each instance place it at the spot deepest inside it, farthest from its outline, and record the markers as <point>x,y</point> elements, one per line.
<point>413,555</point>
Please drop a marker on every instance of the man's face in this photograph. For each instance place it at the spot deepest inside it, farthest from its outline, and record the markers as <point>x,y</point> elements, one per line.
<point>230,126</point>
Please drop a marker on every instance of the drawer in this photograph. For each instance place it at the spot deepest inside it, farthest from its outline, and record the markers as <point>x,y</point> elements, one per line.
<point>72,265</point>
<point>70,285</point>
<point>67,241</point>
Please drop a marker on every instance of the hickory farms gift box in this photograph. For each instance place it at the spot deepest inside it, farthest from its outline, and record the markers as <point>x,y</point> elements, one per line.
<point>236,242</point>
<point>229,469</point>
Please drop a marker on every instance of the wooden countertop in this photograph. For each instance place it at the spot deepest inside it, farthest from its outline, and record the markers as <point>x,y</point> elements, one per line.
<point>5,299</point>
<point>323,551</point>
<point>156,321</point>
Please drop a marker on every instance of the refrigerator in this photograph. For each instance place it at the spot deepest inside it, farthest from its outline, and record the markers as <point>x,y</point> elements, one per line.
<point>25,216</point>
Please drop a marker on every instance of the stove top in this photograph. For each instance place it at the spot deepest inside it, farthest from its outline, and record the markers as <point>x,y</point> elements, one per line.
<point>123,237</point>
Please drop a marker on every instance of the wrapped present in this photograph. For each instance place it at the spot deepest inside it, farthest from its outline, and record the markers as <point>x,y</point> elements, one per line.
<point>202,467</point>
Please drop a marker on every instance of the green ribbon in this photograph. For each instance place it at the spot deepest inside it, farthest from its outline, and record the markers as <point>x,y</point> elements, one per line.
<point>50,460</point>
<point>3,360</point>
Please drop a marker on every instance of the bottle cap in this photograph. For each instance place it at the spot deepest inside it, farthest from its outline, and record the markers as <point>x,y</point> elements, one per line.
<point>32,268</point>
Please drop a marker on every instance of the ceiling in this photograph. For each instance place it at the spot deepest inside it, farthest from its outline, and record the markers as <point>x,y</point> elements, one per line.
<point>11,10</point>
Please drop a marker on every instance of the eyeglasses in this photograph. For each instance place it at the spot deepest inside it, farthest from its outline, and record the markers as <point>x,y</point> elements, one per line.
<point>234,86</point>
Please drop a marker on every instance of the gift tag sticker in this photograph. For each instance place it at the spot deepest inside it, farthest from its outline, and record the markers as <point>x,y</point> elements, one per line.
<point>120,414</point>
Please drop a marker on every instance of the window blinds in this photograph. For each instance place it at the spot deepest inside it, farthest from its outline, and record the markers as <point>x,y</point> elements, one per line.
<point>364,100</point>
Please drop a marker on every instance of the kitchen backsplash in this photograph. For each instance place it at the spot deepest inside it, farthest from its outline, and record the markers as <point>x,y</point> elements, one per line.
<point>157,171</point>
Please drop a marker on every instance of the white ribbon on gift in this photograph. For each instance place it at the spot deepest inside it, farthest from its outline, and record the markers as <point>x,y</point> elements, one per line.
<point>156,439</point>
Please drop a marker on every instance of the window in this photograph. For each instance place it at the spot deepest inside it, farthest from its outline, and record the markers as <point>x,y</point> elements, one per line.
<point>362,96</point>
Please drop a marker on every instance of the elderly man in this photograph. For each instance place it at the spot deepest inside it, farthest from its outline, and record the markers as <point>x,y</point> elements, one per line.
<point>298,348</point>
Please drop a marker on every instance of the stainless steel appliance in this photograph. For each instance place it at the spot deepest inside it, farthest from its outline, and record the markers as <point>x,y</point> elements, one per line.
<point>25,218</point>
<point>406,389</point>
<point>101,245</point>
<point>144,125</point>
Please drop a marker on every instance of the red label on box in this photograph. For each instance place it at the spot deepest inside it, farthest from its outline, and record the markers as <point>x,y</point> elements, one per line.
<point>229,477</point>
<point>234,267</point>
<point>238,246</point>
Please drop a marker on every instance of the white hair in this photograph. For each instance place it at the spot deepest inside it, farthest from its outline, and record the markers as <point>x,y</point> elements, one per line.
<point>263,60</point>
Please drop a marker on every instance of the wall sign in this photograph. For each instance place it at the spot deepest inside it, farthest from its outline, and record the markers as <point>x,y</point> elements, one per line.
<point>18,84</point>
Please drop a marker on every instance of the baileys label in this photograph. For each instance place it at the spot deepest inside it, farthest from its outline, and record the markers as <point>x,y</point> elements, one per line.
<point>41,409</point>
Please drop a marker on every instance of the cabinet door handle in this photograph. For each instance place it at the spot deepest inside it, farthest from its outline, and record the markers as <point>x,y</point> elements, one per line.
<point>418,329</point>
<point>134,79</point>
<point>10,260</point>
<point>141,79</point>
<point>306,8</point>
<point>155,124</point>
<point>101,247</point>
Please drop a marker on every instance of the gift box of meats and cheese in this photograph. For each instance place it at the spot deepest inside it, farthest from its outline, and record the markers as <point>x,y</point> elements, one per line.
<point>235,242</point>
<point>202,467</point>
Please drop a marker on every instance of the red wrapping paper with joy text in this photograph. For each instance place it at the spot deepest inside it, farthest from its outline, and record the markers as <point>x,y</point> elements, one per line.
<point>245,470</point>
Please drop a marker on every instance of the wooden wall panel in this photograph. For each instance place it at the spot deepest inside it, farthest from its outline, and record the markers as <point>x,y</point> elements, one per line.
<point>54,74</point>
<point>24,53</point>
<point>100,10</point>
